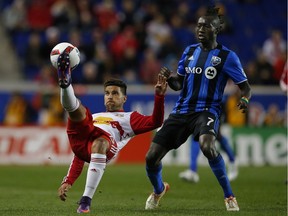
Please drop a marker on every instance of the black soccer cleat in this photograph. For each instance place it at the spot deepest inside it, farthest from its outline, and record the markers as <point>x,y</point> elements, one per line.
<point>64,70</point>
<point>84,205</point>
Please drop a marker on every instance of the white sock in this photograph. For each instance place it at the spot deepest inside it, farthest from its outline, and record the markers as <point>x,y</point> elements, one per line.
<point>94,174</point>
<point>68,99</point>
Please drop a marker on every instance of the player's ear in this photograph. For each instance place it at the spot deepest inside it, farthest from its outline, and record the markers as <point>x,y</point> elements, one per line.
<point>125,98</point>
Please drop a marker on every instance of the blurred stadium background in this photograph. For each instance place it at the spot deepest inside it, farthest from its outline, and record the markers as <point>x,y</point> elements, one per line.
<point>132,39</point>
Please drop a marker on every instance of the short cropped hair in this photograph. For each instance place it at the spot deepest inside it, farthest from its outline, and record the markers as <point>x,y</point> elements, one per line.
<point>214,12</point>
<point>116,82</point>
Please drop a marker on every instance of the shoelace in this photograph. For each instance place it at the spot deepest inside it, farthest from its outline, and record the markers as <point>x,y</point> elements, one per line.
<point>231,203</point>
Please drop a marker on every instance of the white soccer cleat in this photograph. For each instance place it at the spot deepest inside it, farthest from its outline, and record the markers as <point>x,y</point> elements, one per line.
<point>231,204</point>
<point>154,199</point>
<point>232,171</point>
<point>190,176</point>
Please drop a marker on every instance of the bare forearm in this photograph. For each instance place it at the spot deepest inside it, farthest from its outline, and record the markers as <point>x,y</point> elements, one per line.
<point>174,83</point>
<point>245,90</point>
<point>245,96</point>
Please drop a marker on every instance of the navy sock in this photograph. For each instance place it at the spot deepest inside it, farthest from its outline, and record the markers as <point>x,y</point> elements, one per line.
<point>227,148</point>
<point>155,176</point>
<point>218,167</point>
<point>194,152</point>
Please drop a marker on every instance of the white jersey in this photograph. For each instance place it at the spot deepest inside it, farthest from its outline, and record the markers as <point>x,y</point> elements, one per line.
<point>121,126</point>
<point>117,124</point>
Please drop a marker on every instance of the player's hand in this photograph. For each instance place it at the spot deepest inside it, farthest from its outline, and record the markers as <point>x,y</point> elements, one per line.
<point>165,72</point>
<point>242,105</point>
<point>161,85</point>
<point>62,191</point>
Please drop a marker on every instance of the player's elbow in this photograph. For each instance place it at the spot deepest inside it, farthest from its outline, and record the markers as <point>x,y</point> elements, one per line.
<point>175,83</point>
<point>159,124</point>
<point>159,121</point>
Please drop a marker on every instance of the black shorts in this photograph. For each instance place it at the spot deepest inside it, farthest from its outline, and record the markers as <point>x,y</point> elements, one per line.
<point>178,127</point>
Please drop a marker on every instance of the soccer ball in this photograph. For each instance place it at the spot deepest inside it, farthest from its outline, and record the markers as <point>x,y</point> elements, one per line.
<point>74,54</point>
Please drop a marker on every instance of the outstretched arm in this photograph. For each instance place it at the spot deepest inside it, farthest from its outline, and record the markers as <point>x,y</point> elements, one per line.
<point>74,172</point>
<point>161,85</point>
<point>245,96</point>
<point>141,123</point>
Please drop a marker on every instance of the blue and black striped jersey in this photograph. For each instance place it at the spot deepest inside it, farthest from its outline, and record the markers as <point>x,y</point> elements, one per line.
<point>205,76</point>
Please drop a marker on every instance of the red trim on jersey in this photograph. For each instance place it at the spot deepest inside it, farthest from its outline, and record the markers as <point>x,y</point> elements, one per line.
<point>141,124</point>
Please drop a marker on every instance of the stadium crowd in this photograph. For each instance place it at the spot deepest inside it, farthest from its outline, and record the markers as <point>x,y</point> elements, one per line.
<point>132,39</point>
<point>129,39</point>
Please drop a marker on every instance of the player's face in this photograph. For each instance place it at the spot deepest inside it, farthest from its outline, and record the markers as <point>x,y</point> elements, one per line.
<point>114,99</point>
<point>206,30</point>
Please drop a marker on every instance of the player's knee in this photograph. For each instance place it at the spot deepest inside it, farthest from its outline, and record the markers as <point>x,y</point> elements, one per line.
<point>205,148</point>
<point>151,158</point>
<point>155,154</point>
<point>207,144</point>
<point>100,145</point>
<point>209,150</point>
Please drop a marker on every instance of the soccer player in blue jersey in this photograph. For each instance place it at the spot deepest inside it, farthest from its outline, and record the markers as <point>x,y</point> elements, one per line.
<point>202,74</point>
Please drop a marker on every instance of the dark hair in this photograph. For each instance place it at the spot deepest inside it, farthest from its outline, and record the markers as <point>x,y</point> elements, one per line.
<point>214,12</point>
<point>116,82</point>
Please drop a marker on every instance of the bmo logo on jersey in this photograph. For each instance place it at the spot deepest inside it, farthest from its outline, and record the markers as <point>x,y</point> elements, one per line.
<point>194,70</point>
<point>210,72</point>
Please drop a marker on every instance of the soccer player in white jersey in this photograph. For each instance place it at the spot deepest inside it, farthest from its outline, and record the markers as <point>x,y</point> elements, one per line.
<point>97,138</point>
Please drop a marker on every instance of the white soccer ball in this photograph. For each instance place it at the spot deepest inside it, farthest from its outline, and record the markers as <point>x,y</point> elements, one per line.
<point>74,54</point>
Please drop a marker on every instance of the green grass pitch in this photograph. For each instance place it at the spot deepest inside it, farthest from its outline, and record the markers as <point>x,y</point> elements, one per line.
<point>32,191</point>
